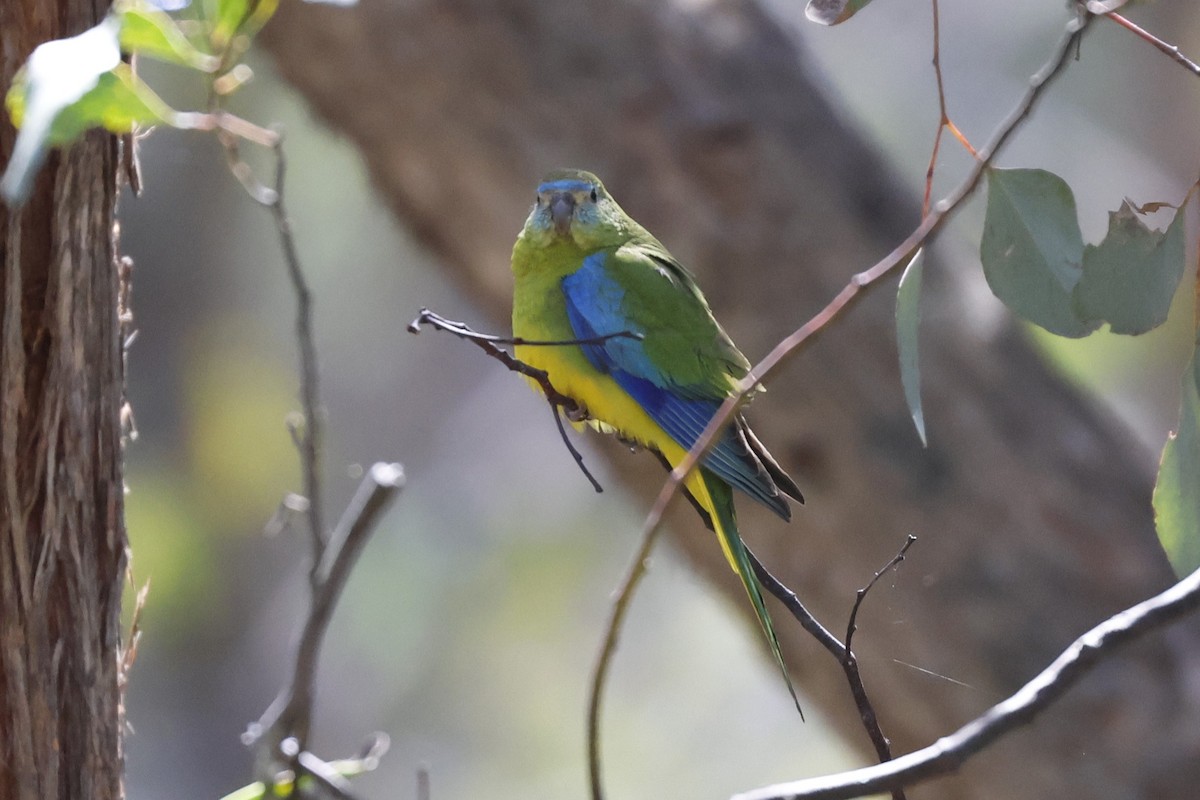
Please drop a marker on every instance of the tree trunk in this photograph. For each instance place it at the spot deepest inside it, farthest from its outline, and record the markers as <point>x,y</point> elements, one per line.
<point>62,535</point>
<point>1033,509</point>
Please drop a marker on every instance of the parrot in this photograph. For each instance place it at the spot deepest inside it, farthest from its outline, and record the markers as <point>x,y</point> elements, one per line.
<point>644,357</point>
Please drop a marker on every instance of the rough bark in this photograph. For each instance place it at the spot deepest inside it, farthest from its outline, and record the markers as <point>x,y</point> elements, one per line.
<point>1033,508</point>
<point>62,537</point>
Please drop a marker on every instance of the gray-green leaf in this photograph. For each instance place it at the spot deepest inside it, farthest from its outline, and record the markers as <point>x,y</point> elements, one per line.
<point>1130,277</point>
<point>1032,250</point>
<point>1177,492</point>
<point>908,321</point>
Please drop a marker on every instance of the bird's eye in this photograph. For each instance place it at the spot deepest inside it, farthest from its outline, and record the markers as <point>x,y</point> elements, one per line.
<point>593,195</point>
<point>537,200</point>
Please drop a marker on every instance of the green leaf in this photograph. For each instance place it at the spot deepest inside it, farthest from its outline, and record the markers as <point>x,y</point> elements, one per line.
<point>1032,250</point>
<point>151,32</point>
<point>66,87</point>
<point>1177,493</point>
<point>1130,277</point>
<point>233,17</point>
<point>831,12</point>
<point>908,320</point>
<point>56,75</point>
<point>120,102</point>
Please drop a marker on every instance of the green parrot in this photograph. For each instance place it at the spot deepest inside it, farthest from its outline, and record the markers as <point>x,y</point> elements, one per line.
<point>583,269</point>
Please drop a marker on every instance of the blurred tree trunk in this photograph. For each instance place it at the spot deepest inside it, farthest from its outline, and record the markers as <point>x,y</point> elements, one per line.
<point>62,535</point>
<point>1032,507</point>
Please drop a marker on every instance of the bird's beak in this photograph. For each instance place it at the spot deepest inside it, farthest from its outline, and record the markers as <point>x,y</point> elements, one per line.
<point>562,208</point>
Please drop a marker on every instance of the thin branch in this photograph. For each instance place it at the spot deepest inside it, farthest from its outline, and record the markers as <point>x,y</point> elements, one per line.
<point>866,711</point>
<point>797,608</point>
<point>283,729</point>
<point>310,439</point>
<point>845,657</point>
<point>949,753</point>
<point>944,121</point>
<point>861,594</point>
<point>464,331</point>
<point>633,575</point>
<point>290,714</point>
<point>1172,51</point>
<point>573,450</point>
<point>488,343</point>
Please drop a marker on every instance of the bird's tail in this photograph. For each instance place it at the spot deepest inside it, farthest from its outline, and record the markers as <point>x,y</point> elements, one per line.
<point>716,498</point>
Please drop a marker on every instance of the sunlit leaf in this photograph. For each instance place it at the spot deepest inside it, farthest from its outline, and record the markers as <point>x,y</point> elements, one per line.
<point>1177,493</point>
<point>239,17</point>
<point>56,76</point>
<point>1032,250</point>
<point>120,102</point>
<point>831,12</point>
<point>150,32</point>
<point>1131,276</point>
<point>908,321</point>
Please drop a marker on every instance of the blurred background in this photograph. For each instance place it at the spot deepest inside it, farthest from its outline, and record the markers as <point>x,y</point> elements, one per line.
<point>470,626</point>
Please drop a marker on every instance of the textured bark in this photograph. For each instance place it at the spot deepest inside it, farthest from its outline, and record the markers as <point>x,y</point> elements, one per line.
<point>62,537</point>
<point>1033,508</point>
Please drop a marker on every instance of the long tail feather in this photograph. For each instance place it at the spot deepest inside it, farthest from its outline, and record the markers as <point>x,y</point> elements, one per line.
<point>716,497</point>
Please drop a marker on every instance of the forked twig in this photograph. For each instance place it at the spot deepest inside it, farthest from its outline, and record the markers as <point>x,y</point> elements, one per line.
<point>866,711</point>
<point>558,401</point>
<point>944,121</point>
<point>283,730</point>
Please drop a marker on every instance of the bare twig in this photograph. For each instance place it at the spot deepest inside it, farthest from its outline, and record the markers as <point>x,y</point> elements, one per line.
<point>861,594</point>
<point>633,575</point>
<point>1172,51</point>
<point>949,753</point>
<point>573,450</point>
<point>290,715</point>
<point>557,400</point>
<point>284,727</point>
<point>798,610</point>
<point>866,711</point>
<point>464,331</point>
<point>842,652</point>
<point>944,121</point>
<point>310,439</point>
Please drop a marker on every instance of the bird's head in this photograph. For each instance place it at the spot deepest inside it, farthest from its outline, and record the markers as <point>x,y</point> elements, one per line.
<point>573,205</point>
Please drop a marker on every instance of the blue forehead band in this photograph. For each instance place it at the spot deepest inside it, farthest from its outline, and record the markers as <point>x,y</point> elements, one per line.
<point>566,185</point>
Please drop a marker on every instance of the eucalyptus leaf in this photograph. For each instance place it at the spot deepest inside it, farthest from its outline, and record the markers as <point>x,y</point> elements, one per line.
<point>1032,250</point>
<point>1177,492</point>
<point>908,321</point>
<point>1130,278</point>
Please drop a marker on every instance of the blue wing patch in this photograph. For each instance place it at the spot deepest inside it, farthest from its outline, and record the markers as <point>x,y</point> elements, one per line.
<point>594,308</point>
